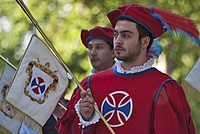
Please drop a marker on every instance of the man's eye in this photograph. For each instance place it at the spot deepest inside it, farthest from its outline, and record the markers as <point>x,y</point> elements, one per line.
<point>115,35</point>
<point>99,47</point>
<point>125,35</point>
<point>90,48</point>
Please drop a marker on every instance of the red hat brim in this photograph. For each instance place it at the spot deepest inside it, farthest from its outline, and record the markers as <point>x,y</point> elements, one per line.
<point>97,32</point>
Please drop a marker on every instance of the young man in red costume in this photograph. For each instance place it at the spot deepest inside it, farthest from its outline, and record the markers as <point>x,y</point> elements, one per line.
<point>133,97</point>
<point>99,42</point>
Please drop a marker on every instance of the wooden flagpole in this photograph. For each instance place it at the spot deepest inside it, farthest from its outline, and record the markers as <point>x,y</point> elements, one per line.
<point>5,60</point>
<point>33,20</point>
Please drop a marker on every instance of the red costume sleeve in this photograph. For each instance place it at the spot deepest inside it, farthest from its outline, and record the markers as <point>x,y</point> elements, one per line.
<point>172,112</point>
<point>69,123</point>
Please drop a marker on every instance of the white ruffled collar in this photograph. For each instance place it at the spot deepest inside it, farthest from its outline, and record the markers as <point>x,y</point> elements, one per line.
<point>135,69</point>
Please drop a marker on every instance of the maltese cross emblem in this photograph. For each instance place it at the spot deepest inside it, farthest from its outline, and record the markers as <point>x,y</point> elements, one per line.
<point>117,108</point>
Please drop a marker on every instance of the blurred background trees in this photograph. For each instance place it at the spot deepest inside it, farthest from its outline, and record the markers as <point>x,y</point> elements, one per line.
<point>62,21</point>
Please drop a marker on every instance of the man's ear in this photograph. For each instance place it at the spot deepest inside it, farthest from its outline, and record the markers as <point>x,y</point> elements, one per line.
<point>145,41</point>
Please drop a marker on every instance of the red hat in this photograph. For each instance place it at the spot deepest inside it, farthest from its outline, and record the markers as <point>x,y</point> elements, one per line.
<point>97,32</point>
<point>157,21</point>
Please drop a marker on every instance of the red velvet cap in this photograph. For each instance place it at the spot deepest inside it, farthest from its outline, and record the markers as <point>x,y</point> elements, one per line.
<point>156,20</point>
<point>97,32</point>
<point>140,15</point>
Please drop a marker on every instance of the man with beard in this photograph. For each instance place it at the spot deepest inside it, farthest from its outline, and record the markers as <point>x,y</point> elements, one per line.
<point>133,97</point>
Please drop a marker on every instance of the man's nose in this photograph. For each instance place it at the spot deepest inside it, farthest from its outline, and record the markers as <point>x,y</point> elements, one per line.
<point>117,40</point>
<point>93,51</point>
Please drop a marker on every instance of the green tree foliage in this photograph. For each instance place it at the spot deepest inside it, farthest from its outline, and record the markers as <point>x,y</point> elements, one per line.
<point>62,21</point>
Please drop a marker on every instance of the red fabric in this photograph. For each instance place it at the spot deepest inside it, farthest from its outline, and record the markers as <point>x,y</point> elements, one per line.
<point>70,117</point>
<point>97,32</point>
<point>172,112</point>
<point>155,20</point>
<point>169,115</point>
<point>139,14</point>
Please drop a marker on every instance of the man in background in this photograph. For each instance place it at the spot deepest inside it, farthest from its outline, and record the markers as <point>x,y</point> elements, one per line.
<point>99,42</point>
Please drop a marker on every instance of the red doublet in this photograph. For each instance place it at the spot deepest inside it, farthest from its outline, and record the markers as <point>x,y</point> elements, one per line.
<point>130,105</point>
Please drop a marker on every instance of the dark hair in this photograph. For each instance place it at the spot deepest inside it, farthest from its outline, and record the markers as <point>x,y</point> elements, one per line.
<point>141,30</point>
<point>143,33</point>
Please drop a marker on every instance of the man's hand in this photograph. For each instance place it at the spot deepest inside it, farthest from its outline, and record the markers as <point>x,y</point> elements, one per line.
<point>86,105</point>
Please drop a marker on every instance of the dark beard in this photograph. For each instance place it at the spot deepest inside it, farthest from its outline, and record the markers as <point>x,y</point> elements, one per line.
<point>131,57</point>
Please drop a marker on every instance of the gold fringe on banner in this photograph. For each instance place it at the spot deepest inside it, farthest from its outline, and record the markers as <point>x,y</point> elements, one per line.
<point>14,113</point>
<point>29,122</point>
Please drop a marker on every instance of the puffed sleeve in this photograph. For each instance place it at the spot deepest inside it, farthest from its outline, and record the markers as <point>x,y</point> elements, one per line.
<point>172,112</point>
<point>69,123</point>
<point>64,125</point>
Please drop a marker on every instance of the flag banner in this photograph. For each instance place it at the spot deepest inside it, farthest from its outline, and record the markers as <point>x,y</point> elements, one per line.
<point>39,82</point>
<point>7,123</point>
<point>192,80</point>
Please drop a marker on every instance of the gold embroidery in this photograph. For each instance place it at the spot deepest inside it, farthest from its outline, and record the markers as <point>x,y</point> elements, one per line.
<point>8,109</point>
<point>44,68</point>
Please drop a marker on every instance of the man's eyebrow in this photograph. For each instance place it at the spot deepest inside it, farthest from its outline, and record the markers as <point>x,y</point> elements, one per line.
<point>124,31</point>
